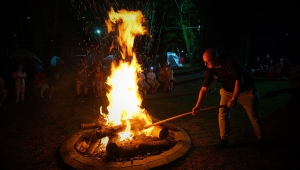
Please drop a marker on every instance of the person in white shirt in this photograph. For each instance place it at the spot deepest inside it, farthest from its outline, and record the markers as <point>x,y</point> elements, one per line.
<point>19,77</point>
<point>151,80</point>
<point>143,86</point>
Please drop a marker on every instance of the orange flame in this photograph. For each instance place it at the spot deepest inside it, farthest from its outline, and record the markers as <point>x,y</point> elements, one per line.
<point>128,24</point>
<point>124,98</point>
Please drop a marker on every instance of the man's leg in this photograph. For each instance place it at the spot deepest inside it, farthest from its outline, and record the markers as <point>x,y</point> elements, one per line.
<point>224,114</point>
<point>250,101</point>
<point>223,118</point>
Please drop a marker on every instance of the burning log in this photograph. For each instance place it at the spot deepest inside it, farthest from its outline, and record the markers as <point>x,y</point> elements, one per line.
<point>160,132</point>
<point>109,131</point>
<point>84,126</point>
<point>91,149</point>
<point>82,147</point>
<point>101,122</point>
<point>103,130</point>
<point>136,124</point>
<point>135,147</point>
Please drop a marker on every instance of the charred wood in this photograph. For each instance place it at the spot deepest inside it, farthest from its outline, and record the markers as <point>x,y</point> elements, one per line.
<point>135,147</point>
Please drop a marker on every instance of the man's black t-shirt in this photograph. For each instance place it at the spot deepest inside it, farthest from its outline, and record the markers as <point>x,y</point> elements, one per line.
<point>230,71</point>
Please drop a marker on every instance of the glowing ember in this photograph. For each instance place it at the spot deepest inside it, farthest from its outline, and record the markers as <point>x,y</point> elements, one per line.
<point>104,141</point>
<point>124,99</point>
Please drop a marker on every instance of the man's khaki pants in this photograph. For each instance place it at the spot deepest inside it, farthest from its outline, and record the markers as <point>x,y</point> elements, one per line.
<point>250,101</point>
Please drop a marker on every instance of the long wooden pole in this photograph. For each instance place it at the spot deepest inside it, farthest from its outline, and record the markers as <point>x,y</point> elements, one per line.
<point>181,115</point>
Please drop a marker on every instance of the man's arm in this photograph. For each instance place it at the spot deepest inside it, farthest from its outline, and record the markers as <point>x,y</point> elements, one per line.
<point>235,94</point>
<point>236,69</point>
<point>201,97</point>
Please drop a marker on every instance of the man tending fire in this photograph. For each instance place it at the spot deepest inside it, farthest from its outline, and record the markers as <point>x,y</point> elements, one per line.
<point>238,86</point>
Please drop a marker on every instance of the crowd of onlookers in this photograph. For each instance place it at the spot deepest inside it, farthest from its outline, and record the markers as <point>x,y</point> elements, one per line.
<point>280,68</point>
<point>268,68</point>
<point>19,77</point>
<point>149,82</point>
<point>90,78</point>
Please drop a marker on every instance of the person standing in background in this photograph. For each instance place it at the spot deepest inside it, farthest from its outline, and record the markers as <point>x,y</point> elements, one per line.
<point>170,74</point>
<point>19,75</point>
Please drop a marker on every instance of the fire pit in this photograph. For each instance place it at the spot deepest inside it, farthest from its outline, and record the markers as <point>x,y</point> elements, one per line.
<point>126,136</point>
<point>165,151</point>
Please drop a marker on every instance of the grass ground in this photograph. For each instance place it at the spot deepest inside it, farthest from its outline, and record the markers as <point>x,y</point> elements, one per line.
<point>33,132</point>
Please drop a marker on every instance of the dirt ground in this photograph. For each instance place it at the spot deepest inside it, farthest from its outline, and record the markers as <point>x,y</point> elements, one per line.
<point>33,131</point>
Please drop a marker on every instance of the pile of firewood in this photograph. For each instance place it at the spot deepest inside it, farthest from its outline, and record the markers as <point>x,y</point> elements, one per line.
<point>140,146</point>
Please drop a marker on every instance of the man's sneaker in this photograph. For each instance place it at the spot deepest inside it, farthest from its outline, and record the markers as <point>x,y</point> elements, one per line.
<point>261,145</point>
<point>223,143</point>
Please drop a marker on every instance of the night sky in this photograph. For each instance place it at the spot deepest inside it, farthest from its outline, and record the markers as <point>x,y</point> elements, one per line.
<point>273,24</point>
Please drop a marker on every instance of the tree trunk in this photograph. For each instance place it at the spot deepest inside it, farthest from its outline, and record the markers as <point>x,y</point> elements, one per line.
<point>159,36</point>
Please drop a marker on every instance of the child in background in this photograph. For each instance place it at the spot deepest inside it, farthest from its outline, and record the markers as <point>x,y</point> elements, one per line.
<point>171,78</point>
<point>163,77</point>
<point>151,80</point>
<point>44,86</point>
<point>19,77</point>
<point>98,82</point>
<point>143,86</point>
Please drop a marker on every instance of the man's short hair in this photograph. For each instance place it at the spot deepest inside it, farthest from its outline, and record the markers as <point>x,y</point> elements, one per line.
<point>212,52</point>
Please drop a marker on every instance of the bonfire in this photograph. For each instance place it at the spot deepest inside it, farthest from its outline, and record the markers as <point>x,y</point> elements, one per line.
<point>125,129</point>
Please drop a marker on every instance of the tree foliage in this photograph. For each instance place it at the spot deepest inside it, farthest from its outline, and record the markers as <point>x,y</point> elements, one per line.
<point>180,27</point>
